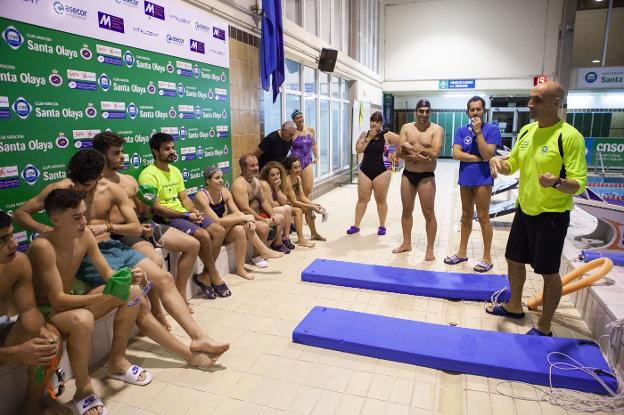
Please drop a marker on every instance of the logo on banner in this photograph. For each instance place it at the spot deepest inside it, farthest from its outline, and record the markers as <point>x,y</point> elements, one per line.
<point>55,79</point>
<point>86,53</point>
<point>128,59</point>
<point>197,46</point>
<point>30,174</point>
<point>175,40</point>
<point>132,110</point>
<point>22,108</point>
<point>591,77</point>
<point>202,27</point>
<point>154,10</point>
<point>135,160</point>
<point>12,37</point>
<point>198,112</point>
<point>196,71</point>
<point>172,112</point>
<point>110,22</point>
<point>9,177</point>
<point>170,68</point>
<point>61,141</point>
<point>69,10</point>
<point>200,152</point>
<point>211,133</point>
<point>218,33</point>
<point>91,111</point>
<point>104,82</point>
<point>129,3</point>
<point>185,175</point>
<point>226,149</point>
<point>151,88</point>
<point>183,133</point>
<point>181,90</point>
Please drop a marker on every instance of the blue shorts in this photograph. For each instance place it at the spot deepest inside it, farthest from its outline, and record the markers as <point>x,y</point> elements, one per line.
<point>117,255</point>
<point>189,227</point>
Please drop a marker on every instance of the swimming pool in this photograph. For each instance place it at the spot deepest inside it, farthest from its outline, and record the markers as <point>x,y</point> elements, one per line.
<point>610,188</point>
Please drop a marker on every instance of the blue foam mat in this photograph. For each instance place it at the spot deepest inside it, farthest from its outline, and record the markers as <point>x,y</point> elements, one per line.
<point>478,352</point>
<point>452,285</point>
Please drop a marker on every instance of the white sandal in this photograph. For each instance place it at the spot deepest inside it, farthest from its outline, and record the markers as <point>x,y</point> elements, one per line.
<point>132,376</point>
<point>89,402</point>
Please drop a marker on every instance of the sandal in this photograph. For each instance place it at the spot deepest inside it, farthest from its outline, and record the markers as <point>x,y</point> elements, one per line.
<point>454,260</point>
<point>222,290</point>
<point>482,266</point>
<point>381,230</point>
<point>89,402</point>
<point>280,248</point>
<point>352,230</point>
<point>536,332</point>
<point>207,290</point>
<point>288,244</point>
<point>499,310</point>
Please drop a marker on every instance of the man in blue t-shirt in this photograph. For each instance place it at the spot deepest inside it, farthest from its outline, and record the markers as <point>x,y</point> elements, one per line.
<point>474,144</point>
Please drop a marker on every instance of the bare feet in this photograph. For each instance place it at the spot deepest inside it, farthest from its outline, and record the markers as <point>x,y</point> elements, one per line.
<point>429,255</point>
<point>190,309</point>
<point>208,345</point>
<point>305,243</point>
<point>243,273</point>
<point>318,237</point>
<point>271,254</point>
<point>201,361</point>
<point>162,320</point>
<point>402,248</point>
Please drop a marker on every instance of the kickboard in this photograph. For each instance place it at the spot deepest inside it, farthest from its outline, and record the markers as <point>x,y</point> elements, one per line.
<point>501,209</point>
<point>504,185</point>
<point>451,285</point>
<point>514,357</point>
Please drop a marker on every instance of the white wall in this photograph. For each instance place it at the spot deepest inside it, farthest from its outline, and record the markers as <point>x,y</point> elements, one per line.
<point>502,44</point>
<point>439,101</point>
<point>595,100</point>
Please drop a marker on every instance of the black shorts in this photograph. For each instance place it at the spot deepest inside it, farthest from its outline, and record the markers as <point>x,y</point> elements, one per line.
<point>415,177</point>
<point>538,240</point>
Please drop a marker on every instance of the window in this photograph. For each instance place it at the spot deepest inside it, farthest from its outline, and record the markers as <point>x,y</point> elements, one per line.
<point>293,102</point>
<point>346,135</point>
<point>324,83</point>
<point>335,87</point>
<point>272,112</point>
<point>292,9</point>
<point>311,11</point>
<point>337,24</point>
<point>309,81</point>
<point>292,75</point>
<point>322,136</point>
<point>335,135</point>
<point>325,21</point>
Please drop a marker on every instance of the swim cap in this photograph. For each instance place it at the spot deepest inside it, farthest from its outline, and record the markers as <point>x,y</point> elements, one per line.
<point>295,113</point>
<point>209,171</point>
<point>423,103</point>
<point>147,194</point>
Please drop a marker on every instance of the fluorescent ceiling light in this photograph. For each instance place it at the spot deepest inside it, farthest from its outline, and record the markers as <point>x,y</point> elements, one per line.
<point>596,61</point>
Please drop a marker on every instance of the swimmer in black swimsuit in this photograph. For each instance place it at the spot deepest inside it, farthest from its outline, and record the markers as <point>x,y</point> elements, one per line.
<point>375,171</point>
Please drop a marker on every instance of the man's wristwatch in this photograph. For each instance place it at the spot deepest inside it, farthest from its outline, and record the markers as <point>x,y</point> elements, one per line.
<point>557,183</point>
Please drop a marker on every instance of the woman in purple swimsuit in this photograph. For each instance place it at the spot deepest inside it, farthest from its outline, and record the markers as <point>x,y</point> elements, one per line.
<point>303,147</point>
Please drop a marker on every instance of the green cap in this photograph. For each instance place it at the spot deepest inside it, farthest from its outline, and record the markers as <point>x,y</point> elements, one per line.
<point>147,194</point>
<point>119,284</point>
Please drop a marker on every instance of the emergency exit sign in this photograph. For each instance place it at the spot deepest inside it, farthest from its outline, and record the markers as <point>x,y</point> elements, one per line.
<point>540,79</point>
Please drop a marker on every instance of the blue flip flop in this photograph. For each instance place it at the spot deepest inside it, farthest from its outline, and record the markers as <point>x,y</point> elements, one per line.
<point>454,260</point>
<point>499,310</point>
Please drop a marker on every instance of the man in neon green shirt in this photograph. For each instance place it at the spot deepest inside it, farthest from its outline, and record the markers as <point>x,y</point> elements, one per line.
<point>550,155</point>
<point>174,207</point>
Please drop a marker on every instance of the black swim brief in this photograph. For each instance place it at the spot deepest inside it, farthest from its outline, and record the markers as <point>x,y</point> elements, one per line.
<point>415,177</point>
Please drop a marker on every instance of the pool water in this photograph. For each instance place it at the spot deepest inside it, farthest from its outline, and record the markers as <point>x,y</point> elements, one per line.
<point>610,188</point>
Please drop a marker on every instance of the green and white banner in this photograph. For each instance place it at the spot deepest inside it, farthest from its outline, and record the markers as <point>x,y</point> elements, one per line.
<point>69,70</point>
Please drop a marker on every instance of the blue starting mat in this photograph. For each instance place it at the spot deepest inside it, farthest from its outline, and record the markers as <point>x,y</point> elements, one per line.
<point>451,285</point>
<point>516,357</point>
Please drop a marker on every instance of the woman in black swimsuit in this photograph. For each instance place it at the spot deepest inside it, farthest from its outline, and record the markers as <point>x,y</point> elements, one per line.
<point>216,202</point>
<point>375,172</point>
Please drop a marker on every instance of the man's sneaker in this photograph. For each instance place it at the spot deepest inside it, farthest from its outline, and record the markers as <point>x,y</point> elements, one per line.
<point>259,262</point>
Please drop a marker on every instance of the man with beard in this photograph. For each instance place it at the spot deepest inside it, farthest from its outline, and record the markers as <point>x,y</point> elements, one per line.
<point>111,146</point>
<point>174,207</point>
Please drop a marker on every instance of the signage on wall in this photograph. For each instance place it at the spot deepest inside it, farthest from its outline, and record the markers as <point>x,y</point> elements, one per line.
<point>456,84</point>
<point>540,79</point>
<point>601,78</point>
<point>72,70</point>
<point>388,110</point>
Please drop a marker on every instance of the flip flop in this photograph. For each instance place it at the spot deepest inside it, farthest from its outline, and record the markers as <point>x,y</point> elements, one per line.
<point>482,266</point>
<point>352,230</point>
<point>207,290</point>
<point>499,310</point>
<point>454,260</point>
<point>132,376</point>
<point>536,332</point>
<point>381,230</point>
<point>222,290</point>
<point>89,402</point>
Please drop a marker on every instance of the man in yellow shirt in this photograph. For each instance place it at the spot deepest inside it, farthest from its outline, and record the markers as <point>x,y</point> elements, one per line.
<point>174,207</point>
<point>550,155</point>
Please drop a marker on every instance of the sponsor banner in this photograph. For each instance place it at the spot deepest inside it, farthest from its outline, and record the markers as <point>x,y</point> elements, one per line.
<point>81,80</point>
<point>601,78</point>
<point>9,177</point>
<point>607,152</point>
<point>168,26</point>
<point>5,108</point>
<point>222,131</point>
<point>167,89</point>
<point>108,55</point>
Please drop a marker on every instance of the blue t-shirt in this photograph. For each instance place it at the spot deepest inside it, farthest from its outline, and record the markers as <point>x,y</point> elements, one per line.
<point>475,174</point>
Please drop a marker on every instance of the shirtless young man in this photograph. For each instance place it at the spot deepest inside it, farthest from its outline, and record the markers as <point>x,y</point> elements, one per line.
<point>102,196</point>
<point>29,340</point>
<point>248,197</point>
<point>419,144</point>
<point>111,146</point>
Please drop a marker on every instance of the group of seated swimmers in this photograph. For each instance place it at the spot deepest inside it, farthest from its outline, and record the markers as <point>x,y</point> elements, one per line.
<point>58,286</point>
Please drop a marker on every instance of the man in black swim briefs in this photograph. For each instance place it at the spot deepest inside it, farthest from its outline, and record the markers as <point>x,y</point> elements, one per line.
<point>420,144</point>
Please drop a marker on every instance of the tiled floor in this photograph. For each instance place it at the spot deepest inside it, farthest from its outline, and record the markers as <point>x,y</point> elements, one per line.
<point>265,373</point>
